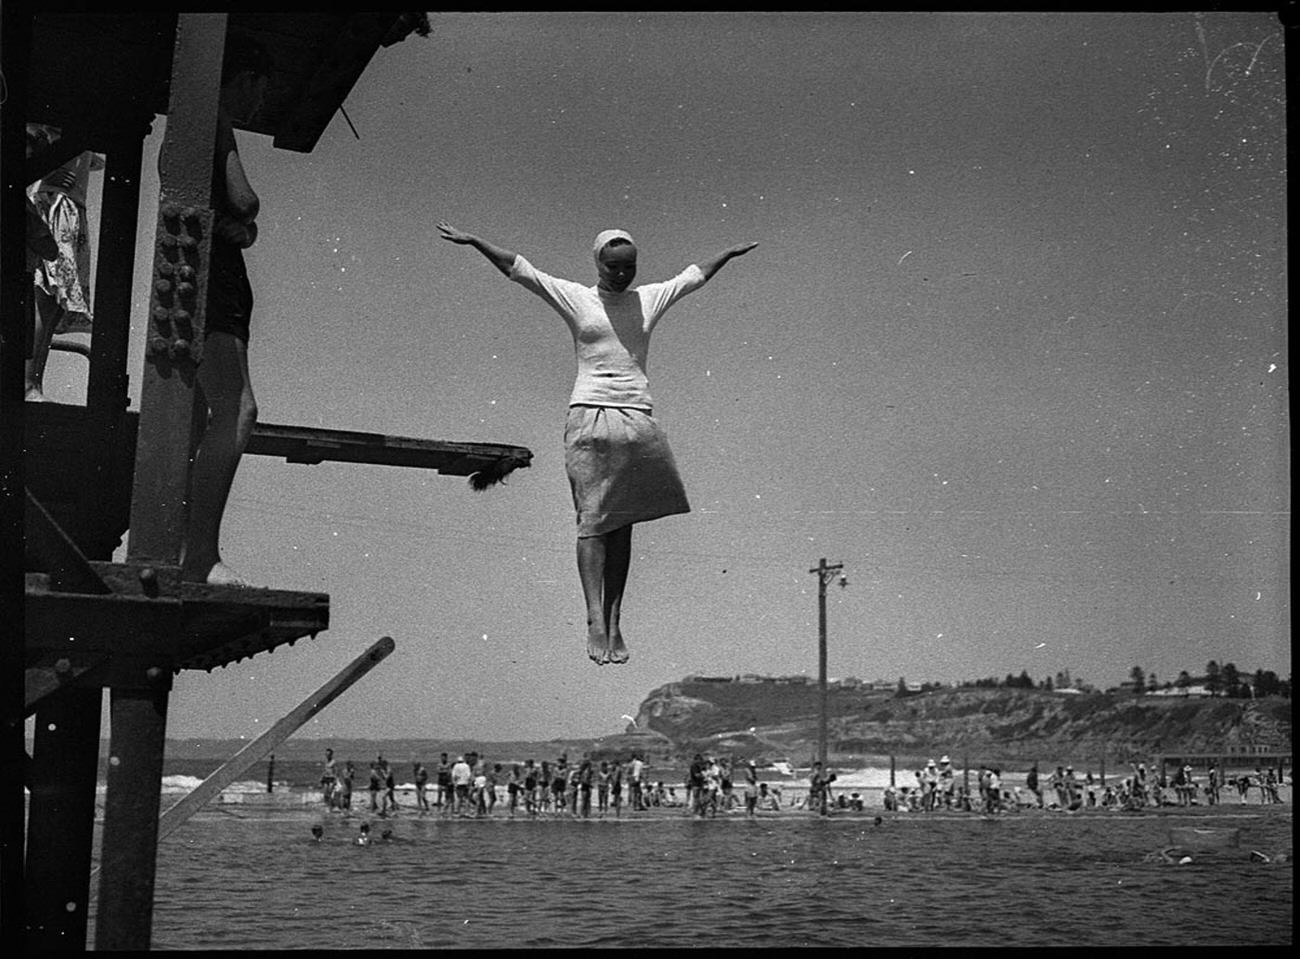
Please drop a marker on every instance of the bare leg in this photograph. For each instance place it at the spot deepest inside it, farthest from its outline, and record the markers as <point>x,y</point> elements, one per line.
<point>618,557</point>
<point>232,414</point>
<point>47,317</point>
<point>591,570</point>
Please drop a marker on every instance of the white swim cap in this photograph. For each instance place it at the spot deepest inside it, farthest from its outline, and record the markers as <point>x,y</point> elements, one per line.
<point>604,236</point>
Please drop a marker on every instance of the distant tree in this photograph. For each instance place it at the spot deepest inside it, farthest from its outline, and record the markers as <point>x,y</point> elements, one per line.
<point>1266,682</point>
<point>1047,684</point>
<point>1025,682</point>
<point>1231,680</point>
<point>1139,678</point>
<point>1213,678</point>
<point>1152,685</point>
<point>1184,681</point>
<point>902,685</point>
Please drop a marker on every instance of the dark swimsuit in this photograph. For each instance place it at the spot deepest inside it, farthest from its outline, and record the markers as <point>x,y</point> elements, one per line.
<point>230,295</point>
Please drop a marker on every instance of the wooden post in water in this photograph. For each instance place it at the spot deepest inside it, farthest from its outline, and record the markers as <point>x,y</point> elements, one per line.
<point>239,764</point>
<point>270,775</point>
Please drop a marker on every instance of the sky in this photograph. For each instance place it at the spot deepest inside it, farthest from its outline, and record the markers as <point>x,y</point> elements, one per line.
<point>1012,350</point>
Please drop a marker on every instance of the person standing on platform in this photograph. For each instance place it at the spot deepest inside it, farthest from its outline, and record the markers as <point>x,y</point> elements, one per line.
<point>223,380</point>
<point>621,470</point>
<point>61,283</point>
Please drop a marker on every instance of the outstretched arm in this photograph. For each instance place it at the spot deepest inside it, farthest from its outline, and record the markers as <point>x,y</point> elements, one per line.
<point>712,265</point>
<point>499,257</point>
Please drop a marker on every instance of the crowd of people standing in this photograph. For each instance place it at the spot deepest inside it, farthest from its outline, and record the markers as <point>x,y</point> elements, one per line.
<point>471,786</point>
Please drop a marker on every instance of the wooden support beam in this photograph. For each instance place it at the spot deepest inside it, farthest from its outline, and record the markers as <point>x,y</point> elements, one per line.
<point>99,517</point>
<point>129,848</point>
<point>237,765</point>
<point>52,550</point>
<point>61,820</point>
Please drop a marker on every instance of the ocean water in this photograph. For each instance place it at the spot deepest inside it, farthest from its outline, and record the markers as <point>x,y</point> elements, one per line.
<point>252,878</point>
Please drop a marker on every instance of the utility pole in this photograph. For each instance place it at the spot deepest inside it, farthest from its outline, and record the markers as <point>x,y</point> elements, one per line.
<point>825,574</point>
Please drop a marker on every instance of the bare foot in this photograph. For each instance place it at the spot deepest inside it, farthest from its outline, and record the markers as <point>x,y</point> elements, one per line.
<point>617,648</point>
<point>597,644</point>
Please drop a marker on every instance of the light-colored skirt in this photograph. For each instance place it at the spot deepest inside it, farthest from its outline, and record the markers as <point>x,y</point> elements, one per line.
<point>620,468</point>
<point>67,279</point>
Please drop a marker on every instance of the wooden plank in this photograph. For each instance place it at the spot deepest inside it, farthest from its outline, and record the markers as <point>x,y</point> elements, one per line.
<point>235,767</point>
<point>51,548</point>
<point>302,444</point>
<point>55,430</point>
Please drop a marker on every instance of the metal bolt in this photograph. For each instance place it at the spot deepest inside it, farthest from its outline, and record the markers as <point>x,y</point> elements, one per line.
<point>165,269</point>
<point>161,315</point>
<point>163,286</point>
<point>180,316</point>
<point>184,289</point>
<point>171,211</point>
<point>148,576</point>
<point>158,345</point>
<point>185,271</point>
<point>180,349</point>
<point>168,241</point>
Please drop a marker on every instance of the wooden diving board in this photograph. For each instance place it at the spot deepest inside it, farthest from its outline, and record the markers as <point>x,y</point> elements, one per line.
<point>305,444</point>
<point>55,436</point>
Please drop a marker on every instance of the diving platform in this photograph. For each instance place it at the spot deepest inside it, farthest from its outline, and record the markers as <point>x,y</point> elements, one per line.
<point>101,476</point>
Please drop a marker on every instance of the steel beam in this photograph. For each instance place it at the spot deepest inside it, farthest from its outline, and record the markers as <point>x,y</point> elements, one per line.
<point>129,849</point>
<point>161,485</point>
